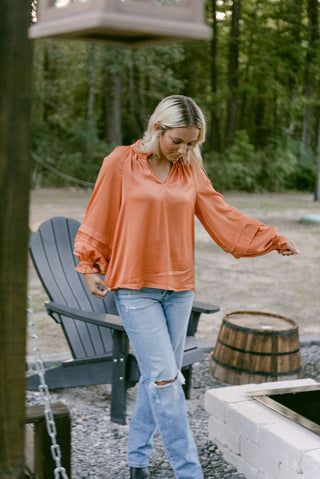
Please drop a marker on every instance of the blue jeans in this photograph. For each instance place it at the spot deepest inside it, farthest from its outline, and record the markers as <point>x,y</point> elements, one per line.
<point>156,322</point>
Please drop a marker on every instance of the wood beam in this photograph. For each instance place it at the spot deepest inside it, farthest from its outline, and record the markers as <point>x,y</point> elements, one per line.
<point>15,108</point>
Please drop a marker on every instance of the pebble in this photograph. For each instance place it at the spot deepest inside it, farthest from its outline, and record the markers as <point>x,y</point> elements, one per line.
<point>99,446</point>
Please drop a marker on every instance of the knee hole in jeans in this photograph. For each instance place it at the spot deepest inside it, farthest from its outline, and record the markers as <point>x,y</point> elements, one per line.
<point>163,383</point>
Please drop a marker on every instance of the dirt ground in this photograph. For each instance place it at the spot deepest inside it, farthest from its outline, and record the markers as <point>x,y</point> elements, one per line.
<point>270,283</point>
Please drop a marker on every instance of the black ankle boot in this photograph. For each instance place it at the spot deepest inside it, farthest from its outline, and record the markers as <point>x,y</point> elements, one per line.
<point>139,473</point>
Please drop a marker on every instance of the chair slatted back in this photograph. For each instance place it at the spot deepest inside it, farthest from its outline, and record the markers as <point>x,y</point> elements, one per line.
<point>51,250</point>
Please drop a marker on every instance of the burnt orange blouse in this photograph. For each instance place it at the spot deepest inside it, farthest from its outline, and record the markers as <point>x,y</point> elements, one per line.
<point>139,231</point>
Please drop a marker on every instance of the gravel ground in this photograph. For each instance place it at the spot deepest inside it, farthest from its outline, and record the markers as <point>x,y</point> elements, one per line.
<point>99,446</point>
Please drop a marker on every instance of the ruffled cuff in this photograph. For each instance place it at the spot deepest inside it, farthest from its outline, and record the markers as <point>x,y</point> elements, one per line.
<point>280,242</point>
<point>91,260</point>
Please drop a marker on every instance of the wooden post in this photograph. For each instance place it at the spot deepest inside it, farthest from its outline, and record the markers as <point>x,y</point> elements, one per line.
<point>15,108</point>
<point>43,463</point>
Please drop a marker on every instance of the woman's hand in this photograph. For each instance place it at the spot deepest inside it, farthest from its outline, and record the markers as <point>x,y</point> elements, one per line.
<point>96,285</point>
<point>290,250</point>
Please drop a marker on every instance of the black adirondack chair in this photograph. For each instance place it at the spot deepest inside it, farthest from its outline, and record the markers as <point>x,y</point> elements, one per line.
<point>92,327</point>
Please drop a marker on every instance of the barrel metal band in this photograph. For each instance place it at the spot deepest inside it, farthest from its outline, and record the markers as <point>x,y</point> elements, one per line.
<point>257,353</point>
<point>260,373</point>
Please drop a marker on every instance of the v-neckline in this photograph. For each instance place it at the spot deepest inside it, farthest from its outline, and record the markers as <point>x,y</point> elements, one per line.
<point>156,176</point>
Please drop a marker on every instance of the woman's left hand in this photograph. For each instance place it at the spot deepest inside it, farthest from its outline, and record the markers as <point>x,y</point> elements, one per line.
<point>290,249</point>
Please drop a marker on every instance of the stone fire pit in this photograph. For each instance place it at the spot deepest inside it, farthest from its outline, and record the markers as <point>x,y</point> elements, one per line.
<point>259,442</point>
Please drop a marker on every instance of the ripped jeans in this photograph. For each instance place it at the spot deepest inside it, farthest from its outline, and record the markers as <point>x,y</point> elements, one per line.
<point>156,322</point>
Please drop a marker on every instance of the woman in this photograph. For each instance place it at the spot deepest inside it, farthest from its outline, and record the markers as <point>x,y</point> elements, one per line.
<point>138,231</point>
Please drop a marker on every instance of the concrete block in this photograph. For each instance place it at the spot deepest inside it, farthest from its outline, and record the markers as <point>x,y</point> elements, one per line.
<point>248,417</point>
<point>259,442</point>
<point>286,472</point>
<point>288,442</point>
<point>261,475</point>
<point>259,458</point>
<point>215,405</point>
<point>310,464</point>
<point>218,431</point>
<point>228,395</point>
<point>221,397</point>
<point>242,466</point>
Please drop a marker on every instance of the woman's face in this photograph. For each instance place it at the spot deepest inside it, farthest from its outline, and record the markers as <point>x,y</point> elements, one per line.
<point>176,142</point>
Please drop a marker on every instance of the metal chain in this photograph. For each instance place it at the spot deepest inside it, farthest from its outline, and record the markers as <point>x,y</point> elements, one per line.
<point>59,471</point>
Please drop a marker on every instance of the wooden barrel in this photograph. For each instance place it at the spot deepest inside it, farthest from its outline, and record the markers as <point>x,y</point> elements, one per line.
<point>256,347</point>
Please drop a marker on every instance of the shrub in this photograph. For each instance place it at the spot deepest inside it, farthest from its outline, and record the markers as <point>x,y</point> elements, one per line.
<point>279,166</point>
<point>237,168</point>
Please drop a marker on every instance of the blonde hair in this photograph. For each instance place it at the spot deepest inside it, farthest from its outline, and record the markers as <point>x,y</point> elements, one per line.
<point>175,111</point>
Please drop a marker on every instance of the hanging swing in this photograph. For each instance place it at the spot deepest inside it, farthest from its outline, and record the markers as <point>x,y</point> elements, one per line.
<point>122,22</point>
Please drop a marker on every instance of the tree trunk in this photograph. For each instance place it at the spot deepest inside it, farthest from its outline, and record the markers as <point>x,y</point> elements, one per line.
<point>296,63</point>
<point>317,188</point>
<point>15,97</point>
<point>215,140</point>
<point>307,118</point>
<point>233,72</point>
<point>113,107</point>
<point>91,133</point>
<point>244,116</point>
<point>138,100</point>
<point>309,80</point>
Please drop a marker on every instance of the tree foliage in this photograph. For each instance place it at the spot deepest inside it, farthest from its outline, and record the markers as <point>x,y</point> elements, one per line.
<point>257,82</point>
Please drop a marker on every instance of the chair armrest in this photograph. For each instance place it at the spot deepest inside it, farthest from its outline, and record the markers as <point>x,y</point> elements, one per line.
<point>197,309</point>
<point>206,308</point>
<point>99,319</point>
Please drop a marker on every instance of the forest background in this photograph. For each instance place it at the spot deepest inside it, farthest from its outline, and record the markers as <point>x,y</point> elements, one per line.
<point>257,81</point>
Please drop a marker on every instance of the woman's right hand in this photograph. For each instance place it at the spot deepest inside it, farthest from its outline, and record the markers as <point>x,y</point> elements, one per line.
<point>96,285</point>
<point>290,249</point>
